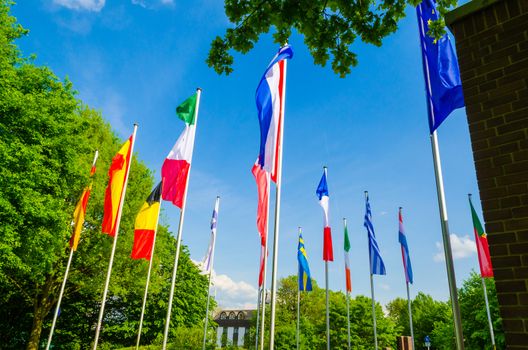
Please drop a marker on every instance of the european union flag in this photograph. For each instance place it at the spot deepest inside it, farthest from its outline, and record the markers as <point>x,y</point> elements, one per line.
<point>442,76</point>
<point>305,280</point>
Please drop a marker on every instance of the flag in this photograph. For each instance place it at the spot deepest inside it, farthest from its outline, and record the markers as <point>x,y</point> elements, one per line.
<point>207,261</point>
<point>347,262</point>
<point>377,267</point>
<point>146,226</point>
<point>322,194</point>
<point>175,169</point>
<point>440,64</point>
<point>305,280</point>
<point>486,270</point>
<point>405,251</point>
<point>262,180</point>
<point>78,217</point>
<point>117,177</point>
<point>270,105</point>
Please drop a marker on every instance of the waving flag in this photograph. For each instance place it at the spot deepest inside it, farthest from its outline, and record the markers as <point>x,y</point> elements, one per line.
<point>262,180</point>
<point>175,169</point>
<point>270,105</point>
<point>146,226</point>
<point>443,84</point>
<point>116,184</point>
<point>322,194</point>
<point>486,270</point>
<point>405,251</point>
<point>305,280</point>
<point>377,267</point>
<point>347,262</point>
<point>78,217</point>
<point>207,262</point>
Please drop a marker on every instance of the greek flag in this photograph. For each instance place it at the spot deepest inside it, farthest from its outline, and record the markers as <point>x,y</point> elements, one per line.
<point>377,267</point>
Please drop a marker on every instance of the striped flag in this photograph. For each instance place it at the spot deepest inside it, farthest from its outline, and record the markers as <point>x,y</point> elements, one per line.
<point>377,267</point>
<point>269,99</point>
<point>175,169</point>
<point>305,280</point>
<point>322,194</point>
<point>347,262</point>
<point>405,251</point>
<point>146,225</point>
<point>262,180</point>
<point>481,238</point>
<point>207,261</point>
<point>117,177</point>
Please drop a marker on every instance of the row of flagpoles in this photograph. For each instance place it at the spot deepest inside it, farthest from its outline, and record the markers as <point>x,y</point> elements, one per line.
<point>443,95</point>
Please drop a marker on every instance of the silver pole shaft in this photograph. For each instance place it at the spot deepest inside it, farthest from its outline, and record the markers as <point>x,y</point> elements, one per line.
<point>180,227</point>
<point>57,308</point>
<point>217,208</point>
<point>277,217</point>
<point>264,276</point>
<point>114,244</point>
<point>410,315</point>
<point>147,282</point>
<point>373,311</point>
<point>447,243</point>
<point>348,319</point>
<point>298,315</point>
<point>488,312</point>
<point>257,327</point>
<point>327,309</point>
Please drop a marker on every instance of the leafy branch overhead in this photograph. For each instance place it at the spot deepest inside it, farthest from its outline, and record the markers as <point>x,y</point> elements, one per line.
<point>329,27</point>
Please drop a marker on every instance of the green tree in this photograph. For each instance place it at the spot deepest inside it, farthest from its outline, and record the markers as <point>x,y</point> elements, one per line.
<point>329,27</point>
<point>474,317</point>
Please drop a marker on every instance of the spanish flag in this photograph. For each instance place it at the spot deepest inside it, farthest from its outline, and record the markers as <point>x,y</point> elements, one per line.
<point>146,225</point>
<point>116,184</point>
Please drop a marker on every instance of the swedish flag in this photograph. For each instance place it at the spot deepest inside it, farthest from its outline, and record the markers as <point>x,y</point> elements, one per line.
<point>305,280</point>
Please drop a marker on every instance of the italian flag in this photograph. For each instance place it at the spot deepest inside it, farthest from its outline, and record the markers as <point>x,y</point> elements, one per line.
<point>175,169</point>
<point>481,239</point>
<point>347,262</point>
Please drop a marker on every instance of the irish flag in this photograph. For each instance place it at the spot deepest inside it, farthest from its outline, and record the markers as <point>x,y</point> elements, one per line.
<point>175,169</point>
<point>347,261</point>
<point>481,239</point>
<point>117,178</point>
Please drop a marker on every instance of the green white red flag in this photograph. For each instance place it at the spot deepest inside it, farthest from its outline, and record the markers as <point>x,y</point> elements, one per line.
<point>481,238</point>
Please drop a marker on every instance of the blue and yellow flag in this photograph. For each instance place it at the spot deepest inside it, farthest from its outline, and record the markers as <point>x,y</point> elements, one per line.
<point>305,280</point>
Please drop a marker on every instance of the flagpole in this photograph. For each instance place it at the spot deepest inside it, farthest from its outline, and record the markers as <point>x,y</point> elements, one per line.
<point>217,207</point>
<point>447,242</point>
<point>148,280</point>
<point>259,296</point>
<point>410,315</point>
<point>114,244</point>
<point>347,298</point>
<point>61,293</point>
<point>277,216</point>
<point>298,314</point>
<point>373,299</point>
<point>180,227</point>
<point>488,312</point>
<point>264,273</point>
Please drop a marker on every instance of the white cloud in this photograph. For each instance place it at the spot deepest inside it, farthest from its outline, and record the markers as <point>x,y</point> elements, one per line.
<point>81,5</point>
<point>385,286</point>
<point>153,3</point>
<point>232,294</point>
<point>461,247</point>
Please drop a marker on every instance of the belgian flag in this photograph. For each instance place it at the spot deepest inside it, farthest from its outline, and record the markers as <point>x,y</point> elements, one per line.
<point>146,225</point>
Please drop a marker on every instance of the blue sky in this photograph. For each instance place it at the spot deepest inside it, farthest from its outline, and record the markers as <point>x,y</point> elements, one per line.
<point>136,61</point>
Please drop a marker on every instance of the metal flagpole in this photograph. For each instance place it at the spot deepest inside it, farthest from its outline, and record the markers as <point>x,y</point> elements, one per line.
<point>410,315</point>
<point>347,297</point>
<point>217,207</point>
<point>61,293</point>
<point>148,281</point>
<point>277,216</point>
<point>259,297</point>
<point>298,314</point>
<point>488,312</point>
<point>263,317</point>
<point>180,227</point>
<point>447,243</point>
<point>373,311</point>
<point>118,222</point>
<point>327,309</point>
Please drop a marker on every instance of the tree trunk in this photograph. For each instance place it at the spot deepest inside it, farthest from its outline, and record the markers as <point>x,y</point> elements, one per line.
<point>42,305</point>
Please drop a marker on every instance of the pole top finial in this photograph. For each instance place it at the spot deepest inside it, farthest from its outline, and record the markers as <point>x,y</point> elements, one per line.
<point>217,197</point>
<point>198,89</point>
<point>469,194</point>
<point>136,124</point>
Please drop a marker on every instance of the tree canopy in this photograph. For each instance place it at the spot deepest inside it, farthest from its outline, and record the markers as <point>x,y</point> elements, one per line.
<point>329,27</point>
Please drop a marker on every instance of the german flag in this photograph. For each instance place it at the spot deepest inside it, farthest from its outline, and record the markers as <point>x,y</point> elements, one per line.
<point>146,224</point>
<point>114,191</point>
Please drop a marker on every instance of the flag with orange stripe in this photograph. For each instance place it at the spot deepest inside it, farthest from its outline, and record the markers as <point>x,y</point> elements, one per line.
<point>114,191</point>
<point>347,262</point>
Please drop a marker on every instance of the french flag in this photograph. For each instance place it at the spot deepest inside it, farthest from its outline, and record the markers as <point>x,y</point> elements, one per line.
<point>270,104</point>
<point>322,194</point>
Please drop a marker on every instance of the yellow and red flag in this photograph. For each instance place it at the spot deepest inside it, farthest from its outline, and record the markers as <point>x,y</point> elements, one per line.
<point>114,191</point>
<point>146,225</point>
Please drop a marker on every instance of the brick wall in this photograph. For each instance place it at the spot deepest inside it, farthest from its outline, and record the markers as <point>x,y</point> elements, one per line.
<point>492,45</point>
